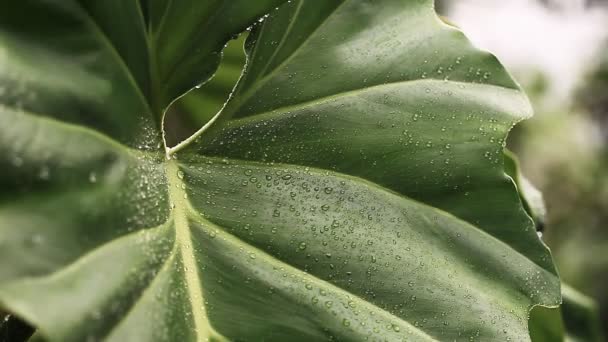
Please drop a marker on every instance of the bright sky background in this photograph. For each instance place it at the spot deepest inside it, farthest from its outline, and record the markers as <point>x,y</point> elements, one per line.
<point>562,42</point>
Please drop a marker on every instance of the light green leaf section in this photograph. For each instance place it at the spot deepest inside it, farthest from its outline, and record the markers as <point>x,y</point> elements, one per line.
<point>351,189</point>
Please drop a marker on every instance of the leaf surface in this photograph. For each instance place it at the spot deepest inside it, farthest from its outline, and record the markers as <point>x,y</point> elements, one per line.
<point>352,187</point>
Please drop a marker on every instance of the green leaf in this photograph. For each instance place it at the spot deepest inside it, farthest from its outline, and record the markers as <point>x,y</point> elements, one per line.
<point>352,187</point>
<point>531,197</point>
<point>577,319</point>
<point>126,60</point>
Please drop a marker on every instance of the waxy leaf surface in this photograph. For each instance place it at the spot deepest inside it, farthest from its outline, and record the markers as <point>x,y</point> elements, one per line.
<point>352,187</point>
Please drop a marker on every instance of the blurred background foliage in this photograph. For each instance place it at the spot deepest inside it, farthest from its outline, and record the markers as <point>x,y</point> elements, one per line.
<point>558,51</point>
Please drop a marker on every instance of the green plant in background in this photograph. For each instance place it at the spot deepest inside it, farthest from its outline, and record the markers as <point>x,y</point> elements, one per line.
<point>351,188</point>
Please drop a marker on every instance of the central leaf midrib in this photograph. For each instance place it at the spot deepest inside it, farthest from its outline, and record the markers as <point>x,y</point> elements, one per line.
<point>183,240</point>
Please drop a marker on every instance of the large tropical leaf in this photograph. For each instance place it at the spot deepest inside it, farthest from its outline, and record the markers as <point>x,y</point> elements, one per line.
<point>352,188</point>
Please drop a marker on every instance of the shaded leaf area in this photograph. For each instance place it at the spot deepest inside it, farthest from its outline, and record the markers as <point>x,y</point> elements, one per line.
<point>126,61</point>
<point>82,167</point>
<point>352,188</point>
<point>577,319</point>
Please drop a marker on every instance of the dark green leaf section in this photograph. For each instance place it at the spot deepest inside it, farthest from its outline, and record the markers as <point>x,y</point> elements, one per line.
<point>546,324</point>
<point>141,254</point>
<point>187,38</point>
<point>66,190</point>
<point>352,189</point>
<point>577,319</point>
<point>63,65</point>
<point>82,168</point>
<point>293,26</point>
<point>124,63</point>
